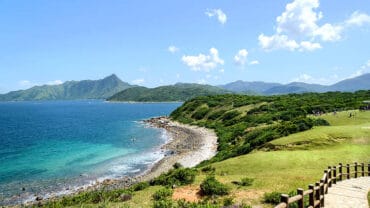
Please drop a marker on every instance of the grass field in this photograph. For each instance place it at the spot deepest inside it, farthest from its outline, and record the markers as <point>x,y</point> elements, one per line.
<point>298,162</point>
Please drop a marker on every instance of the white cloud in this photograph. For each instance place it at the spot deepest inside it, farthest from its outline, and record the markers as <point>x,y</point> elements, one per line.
<point>221,16</point>
<point>241,57</point>
<point>277,42</point>
<point>177,76</point>
<point>173,49</point>
<point>297,28</point>
<point>357,18</point>
<point>221,70</point>
<point>203,62</point>
<point>138,81</point>
<point>306,45</point>
<point>254,62</point>
<point>55,82</point>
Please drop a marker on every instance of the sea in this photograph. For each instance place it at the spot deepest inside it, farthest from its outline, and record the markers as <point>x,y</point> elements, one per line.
<point>52,148</point>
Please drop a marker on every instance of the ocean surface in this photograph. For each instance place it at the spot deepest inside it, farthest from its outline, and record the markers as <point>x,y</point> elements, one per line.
<point>53,147</point>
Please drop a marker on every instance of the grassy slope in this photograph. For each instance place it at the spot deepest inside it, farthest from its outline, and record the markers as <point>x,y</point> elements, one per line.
<point>299,165</point>
<point>294,166</point>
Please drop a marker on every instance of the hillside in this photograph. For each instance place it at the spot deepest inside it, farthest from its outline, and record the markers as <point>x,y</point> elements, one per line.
<point>243,86</point>
<point>264,88</point>
<point>177,92</point>
<point>70,90</point>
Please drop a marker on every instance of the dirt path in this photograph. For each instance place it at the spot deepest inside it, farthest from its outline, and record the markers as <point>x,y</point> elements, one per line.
<point>349,194</point>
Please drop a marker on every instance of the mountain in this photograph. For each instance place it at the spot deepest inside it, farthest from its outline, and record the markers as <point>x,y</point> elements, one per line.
<point>177,92</point>
<point>264,88</point>
<point>71,90</point>
<point>350,85</point>
<point>296,87</point>
<point>242,86</point>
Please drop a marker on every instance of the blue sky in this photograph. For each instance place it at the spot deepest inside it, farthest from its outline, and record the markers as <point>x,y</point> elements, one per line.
<point>155,43</point>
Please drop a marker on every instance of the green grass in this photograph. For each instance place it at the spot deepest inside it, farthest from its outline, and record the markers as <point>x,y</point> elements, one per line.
<point>342,129</point>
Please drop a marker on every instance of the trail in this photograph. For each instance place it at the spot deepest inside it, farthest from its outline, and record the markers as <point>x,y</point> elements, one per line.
<point>350,193</point>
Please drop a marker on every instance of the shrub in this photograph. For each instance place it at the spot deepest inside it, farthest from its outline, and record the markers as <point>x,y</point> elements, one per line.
<point>200,113</point>
<point>162,194</point>
<point>208,169</point>
<point>180,176</point>
<point>244,182</point>
<point>272,197</point>
<point>210,186</point>
<point>140,186</point>
<point>166,203</point>
<point>177,165</point>
<point>320,122</point>
<point>228,201</point>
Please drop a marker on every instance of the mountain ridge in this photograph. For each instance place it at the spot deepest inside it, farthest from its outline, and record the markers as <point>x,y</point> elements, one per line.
<point>70,90</point>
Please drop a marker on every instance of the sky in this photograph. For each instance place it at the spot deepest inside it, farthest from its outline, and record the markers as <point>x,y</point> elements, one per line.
<point>153,43</point>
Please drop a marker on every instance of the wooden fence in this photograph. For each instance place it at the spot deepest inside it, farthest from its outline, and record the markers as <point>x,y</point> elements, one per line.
<point>316,193</point>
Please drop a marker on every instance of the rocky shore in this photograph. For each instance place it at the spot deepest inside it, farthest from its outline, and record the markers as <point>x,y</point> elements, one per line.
<point>187,145</point>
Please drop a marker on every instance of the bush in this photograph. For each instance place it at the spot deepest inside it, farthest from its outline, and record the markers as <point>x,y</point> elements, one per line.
<point>162,194</point>
<point>140,186</point>
<point>208,169</point>
<point>200,113</point>
<point>163,204</point>
<point>177,165</point>
<point>272,197</point>
<point>228,201</point>
<point>245,182</point>
<point>320,122</point>
<point>210,186</point>
<point>180,176</point>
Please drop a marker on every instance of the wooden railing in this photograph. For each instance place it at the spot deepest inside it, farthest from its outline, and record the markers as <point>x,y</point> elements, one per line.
<point>316,193</point>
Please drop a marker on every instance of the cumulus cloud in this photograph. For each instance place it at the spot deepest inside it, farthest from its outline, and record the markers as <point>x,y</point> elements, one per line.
<point>306,78</point>
<point>55,82</point>
<point>241,57</point>
<point>358,19</point>
<point>221,16</point>
<point>173,49</point>
<point>203,62</point>
<point>297,28</point>
<point>138,81</point>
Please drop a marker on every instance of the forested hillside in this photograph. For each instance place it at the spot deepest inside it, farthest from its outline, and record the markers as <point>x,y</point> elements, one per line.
<point>244,123</point>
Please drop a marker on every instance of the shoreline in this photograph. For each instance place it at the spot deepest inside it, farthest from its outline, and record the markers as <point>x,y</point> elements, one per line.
<point>186,144</point>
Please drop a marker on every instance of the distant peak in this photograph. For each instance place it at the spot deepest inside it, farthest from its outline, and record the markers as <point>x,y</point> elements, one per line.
<point>112,76</point>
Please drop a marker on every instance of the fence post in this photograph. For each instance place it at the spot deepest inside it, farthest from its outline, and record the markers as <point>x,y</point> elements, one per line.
<point>368,169</point>
<point>311,199</point>
<point>325,181</point>
<point>300,202</point>
<point>329,172</point>
<point>340,172</point>
<point>335,174</point>
<point>362,169</point>
<point>322,192</point>
<point>348,171</point>
<point>317,193</point>
<point>285,198</point>
<point>356,169</point>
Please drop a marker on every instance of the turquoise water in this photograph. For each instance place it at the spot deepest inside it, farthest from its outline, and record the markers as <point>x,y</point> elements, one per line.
<point>51,147</point>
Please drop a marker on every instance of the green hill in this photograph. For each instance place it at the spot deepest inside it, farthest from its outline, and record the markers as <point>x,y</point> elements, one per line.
<point>177,92</point>
<point>71,90</point>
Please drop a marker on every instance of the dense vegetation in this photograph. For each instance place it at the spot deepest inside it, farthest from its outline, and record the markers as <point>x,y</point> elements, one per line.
<point>177,92</point>
<point>243,123</point>
<point>72,90</point>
